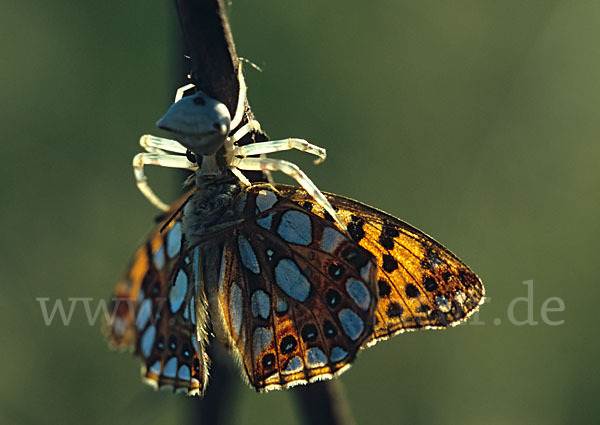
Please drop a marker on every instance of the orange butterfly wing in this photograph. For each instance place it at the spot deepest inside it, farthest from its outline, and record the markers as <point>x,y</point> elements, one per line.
<point>158,312</point>
<point>292,299</point>
<point>420,284</point>
<point>290,296</point>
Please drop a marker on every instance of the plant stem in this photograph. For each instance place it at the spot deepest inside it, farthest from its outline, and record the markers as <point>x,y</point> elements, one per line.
<point>213,69</point>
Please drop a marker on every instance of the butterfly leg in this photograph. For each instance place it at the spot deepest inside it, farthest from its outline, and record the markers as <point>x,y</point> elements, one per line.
<point>162,160</point>
<point>292,170</point>
<point>281,145</point>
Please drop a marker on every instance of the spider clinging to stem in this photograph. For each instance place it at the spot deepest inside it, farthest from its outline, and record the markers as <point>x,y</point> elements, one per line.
<point>203,127</point>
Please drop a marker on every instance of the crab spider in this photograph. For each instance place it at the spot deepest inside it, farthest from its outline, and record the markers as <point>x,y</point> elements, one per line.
<point>202,125</point>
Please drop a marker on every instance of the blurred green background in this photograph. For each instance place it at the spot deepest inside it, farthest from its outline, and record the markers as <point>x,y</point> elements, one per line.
<point>476,121</point>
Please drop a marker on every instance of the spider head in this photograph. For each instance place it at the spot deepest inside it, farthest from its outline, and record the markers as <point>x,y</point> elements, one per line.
<point>198,122</point>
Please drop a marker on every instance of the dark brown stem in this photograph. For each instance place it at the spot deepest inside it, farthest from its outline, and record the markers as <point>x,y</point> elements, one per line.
<point>323,403</point>
<point>212,56</point>
<point>210,47</point>
<point>212,67</point>
<point>220,399</point>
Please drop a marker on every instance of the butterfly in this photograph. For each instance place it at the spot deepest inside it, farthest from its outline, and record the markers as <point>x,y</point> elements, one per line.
<point>293,282</point>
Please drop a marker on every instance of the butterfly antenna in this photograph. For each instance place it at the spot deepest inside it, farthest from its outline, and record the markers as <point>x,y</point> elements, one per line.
<point>177,211</point>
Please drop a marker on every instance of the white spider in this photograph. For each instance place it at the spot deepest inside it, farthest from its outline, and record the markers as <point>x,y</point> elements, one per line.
<point>202,125</point>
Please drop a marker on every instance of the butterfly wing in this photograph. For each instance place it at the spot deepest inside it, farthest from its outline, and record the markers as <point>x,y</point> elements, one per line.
<point>291,300</point>
<point>156,310</point>
<point>420,284</point>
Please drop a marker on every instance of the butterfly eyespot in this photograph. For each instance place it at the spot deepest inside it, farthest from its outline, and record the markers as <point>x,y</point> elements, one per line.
<point>268,361</point>
<point>185,351</point>
<point>160,343</point>
<point>412,291</point>
<point>333,297</point>
<point>329,329</point>
<point>430,284</point>
<point>172,343</point>
<point>288,344</point>
<point>309,333</point>
<point>336,271</point>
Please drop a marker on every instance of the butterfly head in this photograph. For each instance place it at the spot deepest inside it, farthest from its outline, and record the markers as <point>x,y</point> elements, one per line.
<point>198,122</point>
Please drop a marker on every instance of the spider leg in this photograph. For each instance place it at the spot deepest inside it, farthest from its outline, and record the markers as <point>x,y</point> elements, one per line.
<point>236,172</point>
<point>155,144</point>
<point>281,145</point>
<point>243,130</point>
<point>238,135</point>
<point>181,90</point>
<point>292,170</point>
<point>162,160</point>
<point>241,103</point>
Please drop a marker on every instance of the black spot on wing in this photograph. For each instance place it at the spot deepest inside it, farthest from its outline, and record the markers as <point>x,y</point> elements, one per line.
<point>329,329</point>
<point>411,291</point>
<point>356,228</point>
<point>333,298</point>
<point>389,263</point>
<point>288,344</point>
<point>394,310</point>
<point>309,333</point>
<point>386,238</point>
<point>384,288</point>
<point>430,284</point>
